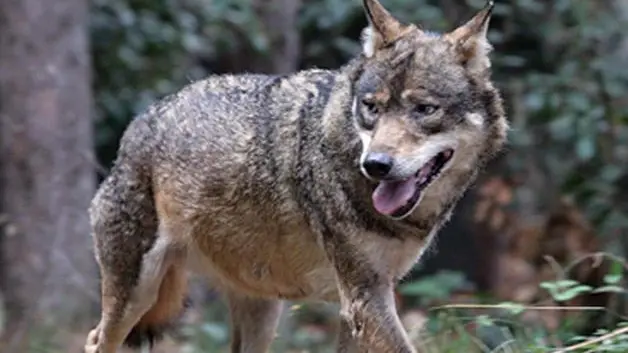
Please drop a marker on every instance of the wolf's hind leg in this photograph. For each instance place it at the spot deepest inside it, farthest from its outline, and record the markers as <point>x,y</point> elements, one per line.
<point>253,323</point>
<point>124,307</point>
<point>142,280</point>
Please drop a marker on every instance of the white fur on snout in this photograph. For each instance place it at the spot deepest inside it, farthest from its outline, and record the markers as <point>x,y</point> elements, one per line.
<point>354,109</point>
<point>474,118</point>
<point>366,141</point>
<point>365,137</point>
<point>407,167</point>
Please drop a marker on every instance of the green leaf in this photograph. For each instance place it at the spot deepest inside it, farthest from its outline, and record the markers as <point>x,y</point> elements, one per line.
<point>609,289</point>
<point>611,173</point>
<point>585,148</point>
<point>562,284</point>
<point>215,330</point>
<point>561,127</point>
<point>563,290</point>
<point>437,286</point>
<point>513,308</point>
<point>571,293</point>
<point>484,320</point>
<point>615,273</point>
<point>612,279</point>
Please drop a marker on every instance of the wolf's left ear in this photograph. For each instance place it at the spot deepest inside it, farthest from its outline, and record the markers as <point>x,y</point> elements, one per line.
<point>383,28</point>
<point>471,42</point>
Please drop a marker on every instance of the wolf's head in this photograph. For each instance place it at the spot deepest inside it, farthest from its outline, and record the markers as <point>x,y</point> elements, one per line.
<point>425,109</point>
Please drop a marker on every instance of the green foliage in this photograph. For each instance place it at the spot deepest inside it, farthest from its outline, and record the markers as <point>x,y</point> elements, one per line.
<point>143,50</point>
<point>612,280</point>
<point>504,329</point>
<point>565,289</point>
<point>511,308</point>
<point>139,53</point>
<point>435,287</point>
<point>212,334</point>
<point>569,121</point>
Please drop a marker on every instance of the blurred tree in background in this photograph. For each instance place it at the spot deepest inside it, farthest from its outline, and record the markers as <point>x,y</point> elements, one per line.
<point>563,179</point>
<point>47,270</point>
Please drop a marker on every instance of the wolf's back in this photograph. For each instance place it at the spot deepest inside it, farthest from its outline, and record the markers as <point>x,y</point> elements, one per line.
<point>226,134</point>
<point>233,107</point>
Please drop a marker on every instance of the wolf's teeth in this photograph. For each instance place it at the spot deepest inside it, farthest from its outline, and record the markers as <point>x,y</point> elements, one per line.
<point>424,172</point>
<point>425,175</point>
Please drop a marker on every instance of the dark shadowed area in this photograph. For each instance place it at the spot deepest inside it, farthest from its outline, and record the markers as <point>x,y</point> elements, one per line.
<point>533,259</point>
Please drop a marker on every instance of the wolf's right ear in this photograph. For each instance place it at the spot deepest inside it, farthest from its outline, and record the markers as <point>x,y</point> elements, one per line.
<point>471,42</point>
<point>383,28</point>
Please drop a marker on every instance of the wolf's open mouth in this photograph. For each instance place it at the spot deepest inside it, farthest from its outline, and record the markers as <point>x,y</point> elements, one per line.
<point>397,198</point>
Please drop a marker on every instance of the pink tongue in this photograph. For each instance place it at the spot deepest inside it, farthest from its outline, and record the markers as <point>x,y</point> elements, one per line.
<point>389,196</point>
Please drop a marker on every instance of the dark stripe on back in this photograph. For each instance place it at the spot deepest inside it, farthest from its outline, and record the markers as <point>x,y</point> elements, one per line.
<point>309,135</point>
<point>266,128</point>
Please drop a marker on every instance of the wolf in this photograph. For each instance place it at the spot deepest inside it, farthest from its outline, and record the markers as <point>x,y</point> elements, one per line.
<point>320,185</point>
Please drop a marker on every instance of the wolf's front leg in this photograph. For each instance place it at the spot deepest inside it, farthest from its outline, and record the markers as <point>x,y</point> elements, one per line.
<point>346,343</point>
<point>369,317</point>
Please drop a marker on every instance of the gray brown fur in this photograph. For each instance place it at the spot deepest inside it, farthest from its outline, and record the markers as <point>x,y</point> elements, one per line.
<point>256,181</point>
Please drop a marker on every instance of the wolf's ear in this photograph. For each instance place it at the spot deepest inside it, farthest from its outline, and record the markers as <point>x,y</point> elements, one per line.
<point>383,28</point>
<point>470,40</point>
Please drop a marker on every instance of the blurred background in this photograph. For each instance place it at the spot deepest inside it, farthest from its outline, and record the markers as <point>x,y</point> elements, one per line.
<point>532,261</point>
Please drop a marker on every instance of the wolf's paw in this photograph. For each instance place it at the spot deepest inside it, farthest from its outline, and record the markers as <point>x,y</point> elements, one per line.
<point>91,345</point>
<point>93,348</point>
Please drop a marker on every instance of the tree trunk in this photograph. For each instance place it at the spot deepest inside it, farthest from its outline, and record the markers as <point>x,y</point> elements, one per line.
<point>279,18</point>
<point>46,176</point>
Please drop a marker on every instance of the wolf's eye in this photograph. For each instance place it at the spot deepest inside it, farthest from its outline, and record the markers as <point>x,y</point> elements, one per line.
<point>426,109</point>
<point>370,106</point>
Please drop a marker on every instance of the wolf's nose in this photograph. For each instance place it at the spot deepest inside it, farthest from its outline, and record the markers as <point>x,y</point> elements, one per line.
<point>378,165</point>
